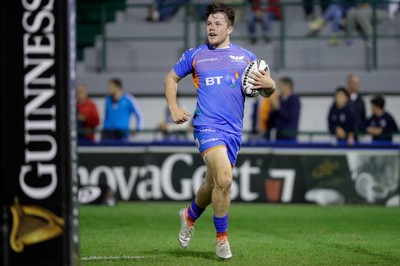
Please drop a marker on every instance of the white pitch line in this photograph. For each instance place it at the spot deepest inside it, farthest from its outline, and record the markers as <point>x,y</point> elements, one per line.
<point>90,258</point>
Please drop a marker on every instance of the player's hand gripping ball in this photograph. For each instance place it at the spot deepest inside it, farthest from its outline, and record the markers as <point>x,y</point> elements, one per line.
<point>255,66</point>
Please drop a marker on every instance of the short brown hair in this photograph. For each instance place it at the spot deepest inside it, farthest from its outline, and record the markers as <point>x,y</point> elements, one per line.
<point>288,81</point>
<point>343,90</point>
<point>215,8</point>
<point>378,101</point>
<point>117,82</point>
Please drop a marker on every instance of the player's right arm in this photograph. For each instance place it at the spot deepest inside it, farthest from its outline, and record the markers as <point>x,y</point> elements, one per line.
<point>179,115</point>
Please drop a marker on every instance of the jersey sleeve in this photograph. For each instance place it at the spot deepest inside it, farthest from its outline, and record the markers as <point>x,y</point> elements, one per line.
<point>184,66</point>
<point>251,56</point>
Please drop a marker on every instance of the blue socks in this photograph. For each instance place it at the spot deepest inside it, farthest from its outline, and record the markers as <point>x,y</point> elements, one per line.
<point>194,211</point>
<point>221,224</point>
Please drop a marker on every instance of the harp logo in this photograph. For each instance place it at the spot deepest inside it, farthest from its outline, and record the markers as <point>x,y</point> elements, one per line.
<point>32,225</point>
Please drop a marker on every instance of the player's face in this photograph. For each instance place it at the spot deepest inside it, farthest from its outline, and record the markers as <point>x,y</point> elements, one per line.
<point>218,30</point>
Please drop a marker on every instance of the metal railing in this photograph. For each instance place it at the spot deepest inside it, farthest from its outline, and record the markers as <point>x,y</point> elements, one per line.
<point>371,51</point>
<point>249,138</point>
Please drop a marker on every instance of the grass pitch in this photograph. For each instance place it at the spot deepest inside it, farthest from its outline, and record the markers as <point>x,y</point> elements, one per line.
<point>259,234</point>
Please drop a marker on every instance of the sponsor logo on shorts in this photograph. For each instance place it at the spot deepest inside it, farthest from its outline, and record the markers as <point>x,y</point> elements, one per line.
<point>204,141</point>
<point>207,130</point>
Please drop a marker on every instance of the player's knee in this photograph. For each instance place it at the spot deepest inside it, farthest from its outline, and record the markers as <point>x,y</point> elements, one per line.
<point>208,185</point>
<point>223,182</point>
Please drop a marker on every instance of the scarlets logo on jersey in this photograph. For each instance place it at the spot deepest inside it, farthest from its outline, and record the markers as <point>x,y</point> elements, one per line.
<point>235,58</point>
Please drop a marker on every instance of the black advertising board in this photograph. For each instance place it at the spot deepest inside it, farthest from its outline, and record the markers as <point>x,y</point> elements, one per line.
<point>260,175</point>
<point>38,146</point>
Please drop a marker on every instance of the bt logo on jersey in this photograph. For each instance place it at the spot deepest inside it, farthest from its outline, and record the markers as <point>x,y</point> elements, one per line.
<point>213,80</point>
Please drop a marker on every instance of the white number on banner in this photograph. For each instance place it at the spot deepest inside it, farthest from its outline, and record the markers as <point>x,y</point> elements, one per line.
<point>288,176</point>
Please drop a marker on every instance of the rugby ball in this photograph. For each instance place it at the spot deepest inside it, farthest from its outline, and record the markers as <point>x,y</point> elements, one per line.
<point>255,66</point>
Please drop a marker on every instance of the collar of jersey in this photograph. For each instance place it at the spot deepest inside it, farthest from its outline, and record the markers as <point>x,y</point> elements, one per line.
<point>210,46</point>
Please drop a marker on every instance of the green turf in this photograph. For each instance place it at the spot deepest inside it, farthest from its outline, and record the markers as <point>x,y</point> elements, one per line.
<point>259,234</point>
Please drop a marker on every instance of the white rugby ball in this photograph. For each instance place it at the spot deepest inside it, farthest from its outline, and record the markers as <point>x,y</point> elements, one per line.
<point>255,66</point>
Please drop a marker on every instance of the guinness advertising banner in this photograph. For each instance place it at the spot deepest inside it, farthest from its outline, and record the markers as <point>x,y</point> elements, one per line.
<point>261,174</point>
<point>38,147</point>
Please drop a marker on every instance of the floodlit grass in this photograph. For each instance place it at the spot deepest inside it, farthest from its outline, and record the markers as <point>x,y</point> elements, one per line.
<point>260,234</point>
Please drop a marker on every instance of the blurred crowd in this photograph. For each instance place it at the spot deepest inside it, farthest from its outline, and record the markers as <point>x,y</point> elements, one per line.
<point>352,17</point>
<point>120,107</point>
<point>273,118</point>
<point>277,117</point>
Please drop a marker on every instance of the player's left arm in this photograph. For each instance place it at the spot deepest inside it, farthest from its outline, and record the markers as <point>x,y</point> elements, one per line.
<point>262,80</point>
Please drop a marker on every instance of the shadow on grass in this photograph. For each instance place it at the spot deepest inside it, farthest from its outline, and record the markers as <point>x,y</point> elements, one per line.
<point>178,253</point>
<point>192,254</point>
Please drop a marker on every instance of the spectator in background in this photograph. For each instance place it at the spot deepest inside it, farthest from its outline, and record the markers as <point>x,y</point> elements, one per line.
<point>263,12</point>
<point>309,11</point>
<point>261,108</point>
<point>119,108</point>
<point>285,111</point>
<point>162,10</point>
<point>341,118</point>
<point>87,114</point>
<point>238,6</point>
<point>357,103</point>
<point>335,12</point>
<point>361,16</point>
<point>381,124</point>
<point>170,130</point>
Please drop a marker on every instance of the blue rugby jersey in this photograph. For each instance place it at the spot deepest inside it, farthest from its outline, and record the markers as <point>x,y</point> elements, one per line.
<point>118,114</point>
<point>217,78</point>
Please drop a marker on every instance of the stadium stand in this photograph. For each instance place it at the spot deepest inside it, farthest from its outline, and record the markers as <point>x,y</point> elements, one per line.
<point>89,16</point>
<point>142,52</point>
